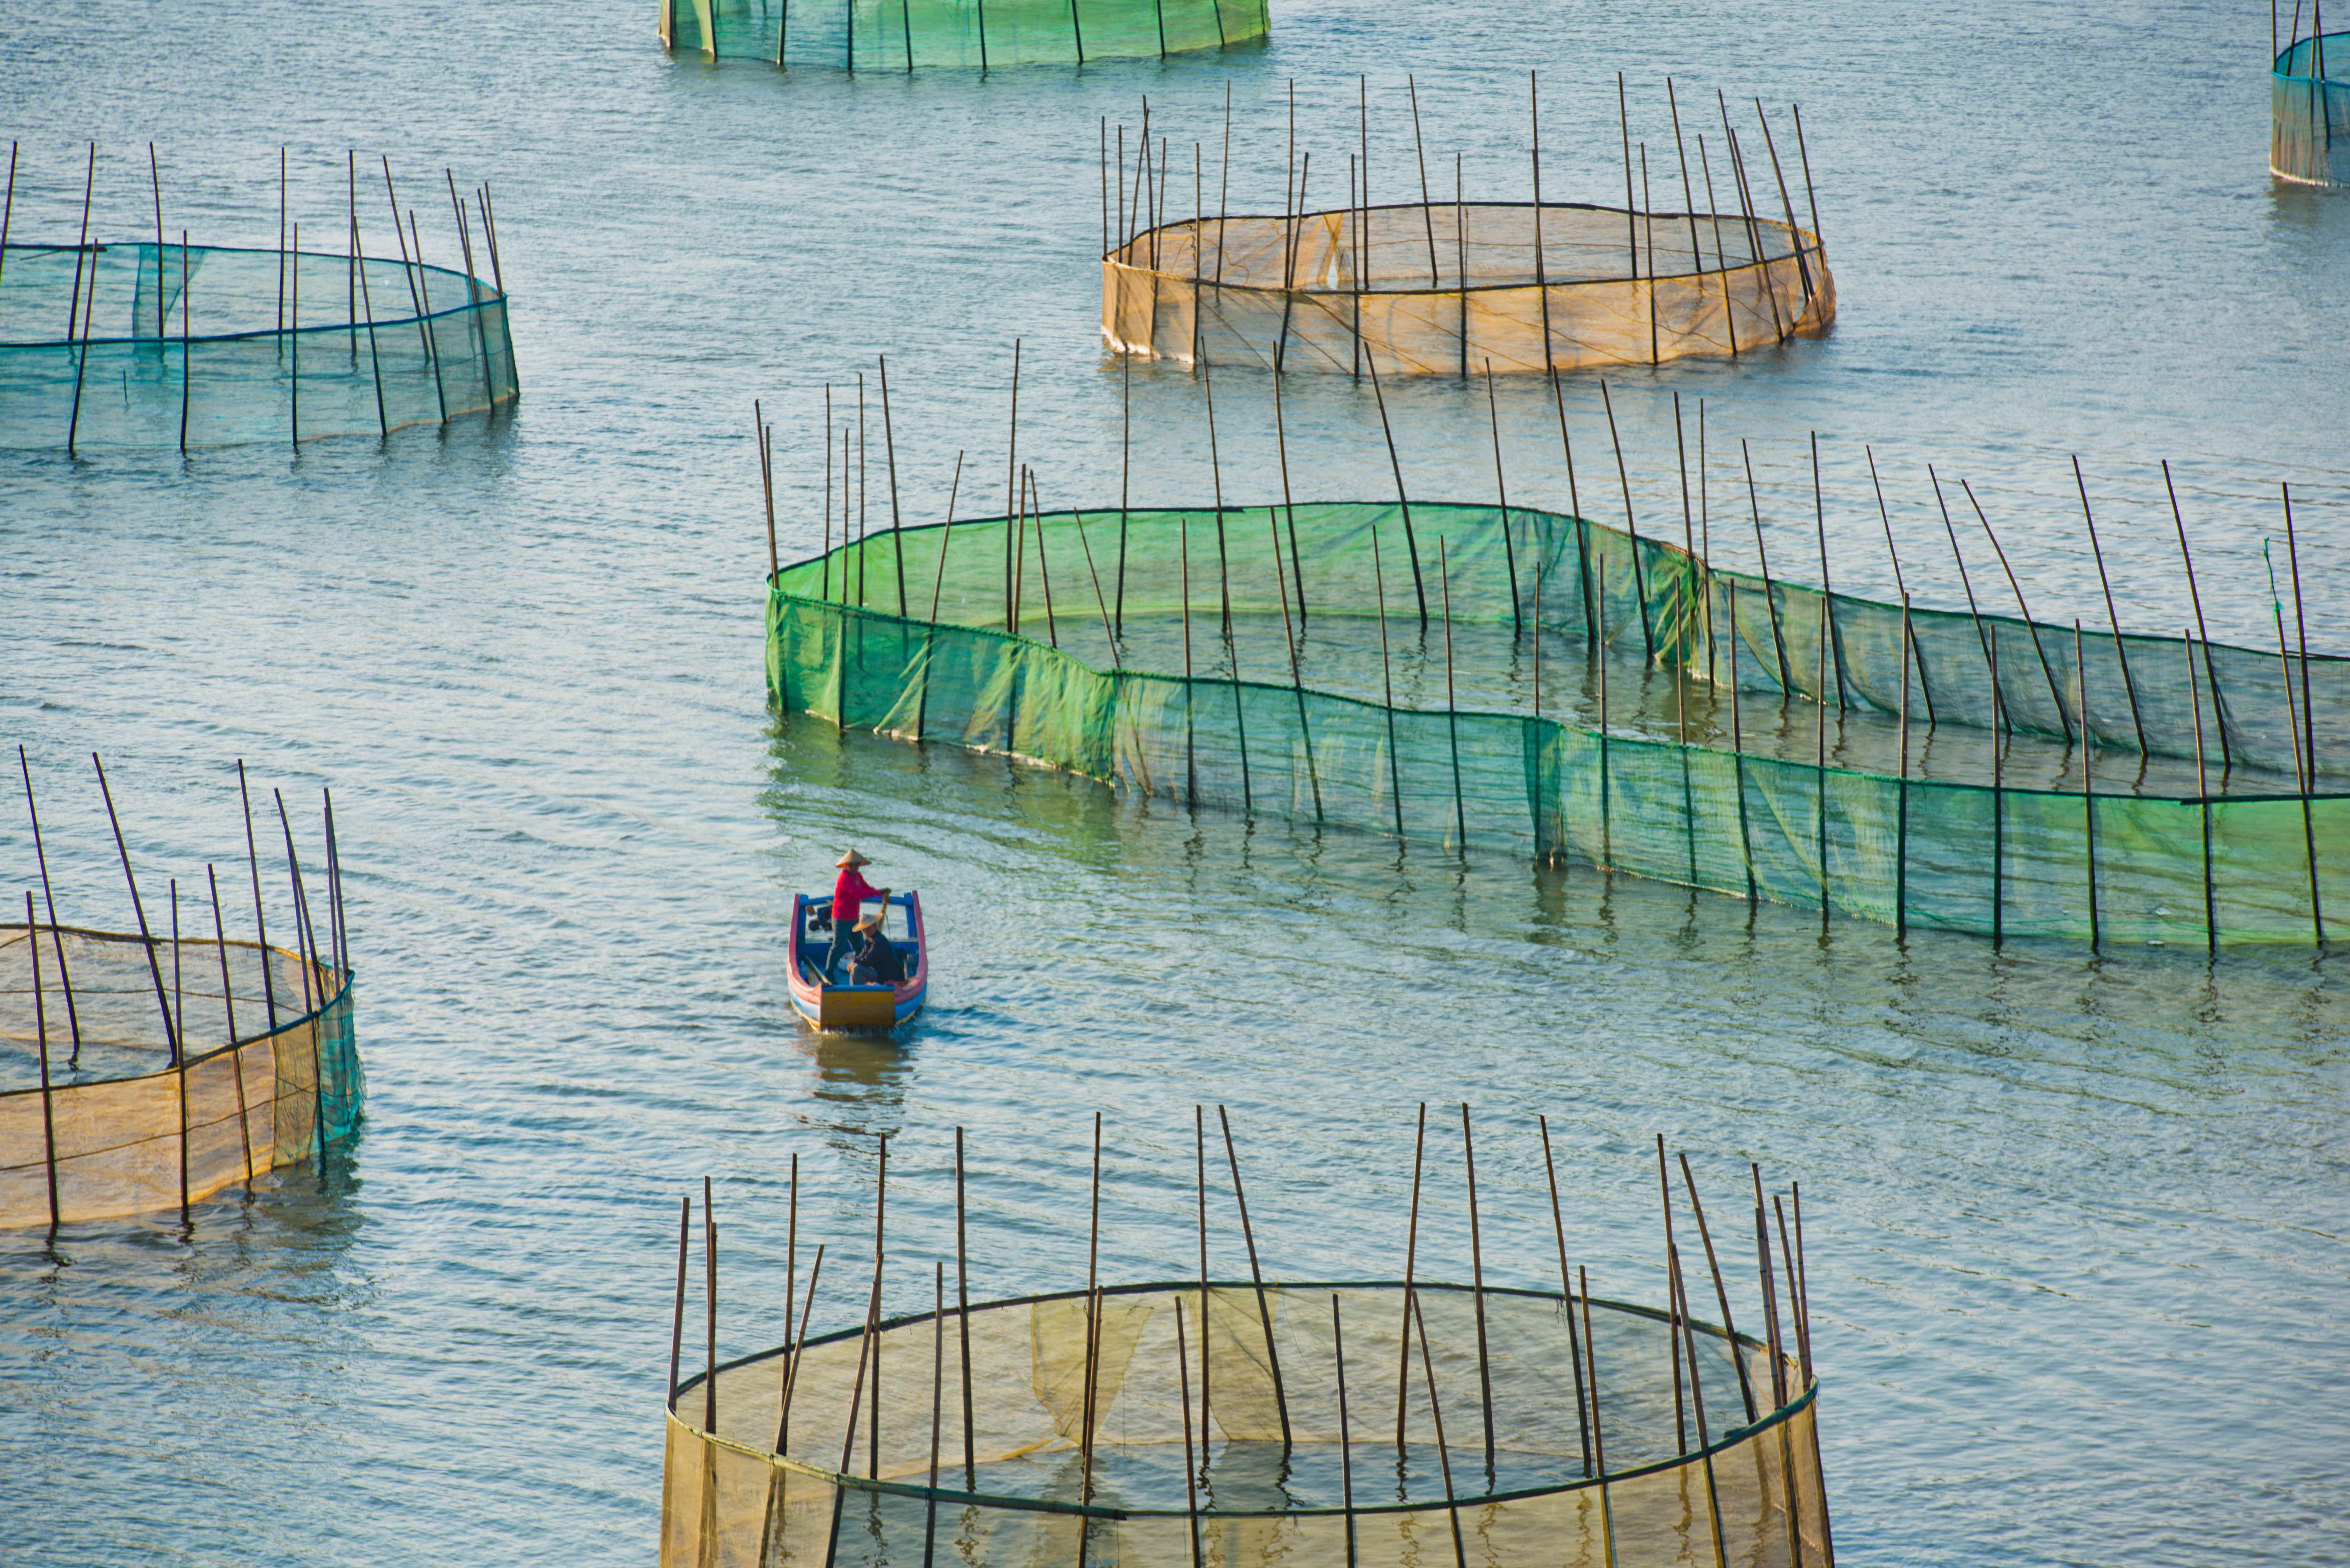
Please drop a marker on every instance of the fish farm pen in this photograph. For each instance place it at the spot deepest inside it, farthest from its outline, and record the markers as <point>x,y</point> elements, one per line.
<point>1537,684</point>
<point>2309,111</point>
<point>898,34</point>
<point>1463,287</point>
<point>1253,1421</point>
<point>154,342</point>
<point>146,1070</point>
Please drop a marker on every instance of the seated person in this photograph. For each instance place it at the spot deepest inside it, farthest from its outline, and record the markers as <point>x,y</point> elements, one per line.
<point>850,892</point>
<point>878,961</point>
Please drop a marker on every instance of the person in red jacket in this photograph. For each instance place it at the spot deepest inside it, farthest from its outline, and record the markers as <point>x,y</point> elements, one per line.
<point>849,893</point>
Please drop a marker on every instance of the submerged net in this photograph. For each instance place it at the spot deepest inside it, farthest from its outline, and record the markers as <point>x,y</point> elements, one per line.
<point>269,1076</point>
<point>2309,111</point>
<point>899,35</point>
<point>1443,289</point>
<point>1272,1469</point>
<point>147,346</point>
<point>1642,711</point>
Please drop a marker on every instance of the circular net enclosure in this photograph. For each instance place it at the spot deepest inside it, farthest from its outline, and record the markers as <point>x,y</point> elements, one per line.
<point>1447,289</point>
<point>2309,111</point>
<point>143,344</point>
<point>1531,683</point>
<point>899,35</point>
<point>1250,1422</point>
<point>144,1071</point>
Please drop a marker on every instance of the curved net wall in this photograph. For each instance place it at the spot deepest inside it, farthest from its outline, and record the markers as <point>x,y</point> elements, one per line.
<point>2309,111</point>
<point>1443,290</point>
<point>142,345</point>
<point>900,35</point>
<point>267,1072</point>
<point>1641,711</point>
<point>1272,1469</point>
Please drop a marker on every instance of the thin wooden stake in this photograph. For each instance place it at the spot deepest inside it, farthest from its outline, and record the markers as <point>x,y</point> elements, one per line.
<point>1721,1290</point>
<point>236,1056</point>
<point>146,938</point>
<point>1263,1305</point>
<point>2113,620</point>
<point>1436,1421</point>
<point>1566,1293</point>
<point>1664,1205</point>
<point>1183,1397</point>
<point>677,1316</point>
<point>709,1315</point>
<point>41,1038</point>
<point>1410,1259</point>
<point>1631,529</point>
<point>1411,545</point>
<point>963,1322</point>
<point>49,897</point>
<point>1477,1286</point>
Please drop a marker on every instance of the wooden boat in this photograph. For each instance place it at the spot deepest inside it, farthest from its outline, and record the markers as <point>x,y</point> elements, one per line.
<point>831,1005</point>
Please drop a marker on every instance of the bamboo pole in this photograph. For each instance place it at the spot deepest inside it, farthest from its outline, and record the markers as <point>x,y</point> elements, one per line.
<point>1738,757</point>
<point>766,485</point>
<point>2308,722</point>
<point>1386,685</point>
<point>82,251</point>
<point>335,886</point>
<point>155,181</point>
<point>1502,497</point>
<point>2112,619</point>
<point>1721,263</point>
<point>1598,1442</point>
<point>1451,708</point>
<point>1925,688</point>
<point>146,939</point>
<point>938,1403</point>
<point>1256,1274</point>
<point>1011,494</point>
<point>187,347</point>
<point>1183,1397</point>
<point>2203,798</point>
<point>2089,795</point>
<point>1983,634</point>
<point>1794,234</point>
<point>677,1315</point>
<point>880,1210</point>
<point>710,1312</point>
<point>1346,1441</point>
<point>963,1320</point>
<point>1574,504</point>
<point>1631,212</point>
<point>2211,674</point>
<point>1436,1421</point>
<point>1426,209</point>
<point>1533,157</point>
<point>236,1056</point>
<point>1828,593</point>
<point>1631,528</point>
<point>798,1345</point>
<point>889,444</point>
<point>41,1040</point>
<point>49,897</point>
<point>305,940</point>
<point>1207,1306</point>
<point>1901,812</point>
<point>1721,1290</point>
<point>1769,599</point>
<point>1410,1260</point>
<point>1665,1206</point>
<point>1403,499</point>
<point>2030,624</point>
<point>1477,1287</point>
<point>1566,1293</point>
<point>1681,1308</point>
<point>178,1024</point>
<point>1289,507</point>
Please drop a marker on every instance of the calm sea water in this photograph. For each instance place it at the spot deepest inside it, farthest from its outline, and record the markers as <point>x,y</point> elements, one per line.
<point>2075,1223</point>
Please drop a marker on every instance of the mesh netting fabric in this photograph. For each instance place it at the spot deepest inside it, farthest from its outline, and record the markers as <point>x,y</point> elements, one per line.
<point>1614,727</point>
<point>202,345</point>
<point>125,1132</point>
<point>2309,111</point>
<point>1275,1474</point>
<point>1443,289</point>
<point>899,35</point>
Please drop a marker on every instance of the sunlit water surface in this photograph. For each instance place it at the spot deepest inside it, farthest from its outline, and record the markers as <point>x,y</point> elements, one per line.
<point>2074,1223</point>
